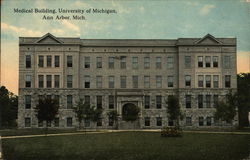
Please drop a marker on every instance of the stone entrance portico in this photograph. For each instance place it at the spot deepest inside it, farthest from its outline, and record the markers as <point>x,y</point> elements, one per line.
<point>124,98</point>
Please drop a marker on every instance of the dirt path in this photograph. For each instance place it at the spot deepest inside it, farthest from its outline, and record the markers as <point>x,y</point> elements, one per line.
<point>0,148</point>
<point>110,131</point>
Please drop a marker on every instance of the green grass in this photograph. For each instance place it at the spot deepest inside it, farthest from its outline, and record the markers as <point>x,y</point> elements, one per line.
<point>129,146</point>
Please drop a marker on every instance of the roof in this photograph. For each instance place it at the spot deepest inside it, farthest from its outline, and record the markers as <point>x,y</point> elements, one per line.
<point>49,39</point>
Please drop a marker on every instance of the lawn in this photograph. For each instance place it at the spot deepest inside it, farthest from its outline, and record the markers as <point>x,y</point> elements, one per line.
<point>129,146</point>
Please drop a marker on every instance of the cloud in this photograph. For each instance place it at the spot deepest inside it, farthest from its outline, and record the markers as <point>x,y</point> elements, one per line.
<point>142,9</point>
<point>120,28</point>
<point>19,30</point>
<point>120,8</point>
<point>192,3</point>
<point>81,4</point>
<point>243,61</point>
<point>206,9</point>
<point>70,25</point>
<point>57,31</point>
<point>96,26</point>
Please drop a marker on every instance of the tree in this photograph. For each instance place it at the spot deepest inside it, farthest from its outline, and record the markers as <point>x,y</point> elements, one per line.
<point>226,110</point>
<point>243,85</point>
<point>85,111</point>
<point>113,115</point>
<point>96,115</point>
<point>8,108</point>
<point>47,109</point>
<point>173,109</point>
<point>130,112</point>
<point>79,111</point>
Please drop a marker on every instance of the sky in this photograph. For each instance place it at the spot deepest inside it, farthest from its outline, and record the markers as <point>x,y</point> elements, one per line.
<point>134,19</point>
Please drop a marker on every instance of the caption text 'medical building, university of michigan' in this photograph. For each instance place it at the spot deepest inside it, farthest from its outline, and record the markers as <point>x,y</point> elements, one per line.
<point>112,73</point>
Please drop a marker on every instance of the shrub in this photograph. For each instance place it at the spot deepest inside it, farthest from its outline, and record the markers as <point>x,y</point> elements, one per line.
<point>171,131</point>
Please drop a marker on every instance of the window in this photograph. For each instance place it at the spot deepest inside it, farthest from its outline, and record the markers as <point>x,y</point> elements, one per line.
<point>28,81</point>
<point>200,61</point>
<point>135,62</point>
<point>227,61</point>
<point>216,100</point>
<point>170,81</point>
<point>49,59</point>
<point>158,81</point>
<point>99,102</point>
<point>146,102</point>
<point>48,82</point>
<point>216,81</point>
<point>158,121</point>
<point>40,98</point>
<point>27,101</point>
<point>40,123</point>
<point>187,80</point>
<point>208,61</point>
<point>158,62</point>
<point>98,81</point>
<point>48,123</point>
<point>111,101</point>
<point>208,81</point>
<point>123,62</point>
<point>227,81</point>
<point>69,122</point>
<point>146,81</point>
<point>57,99</point>
<point>69,81</point>
<point>135,81</point>
<point>170,62</point>
<point>200,101</point>
<point>48,97</point>
<point>187,61</point>
<point>146,63</point>
<point>209,121</point>
<point>27,122</point>
<point>99,122</point>
<point>215,61</point>
<point>111,62</point>
<point>98,62</point>
<point>57,81</point>
<point>208,101</point>
<point>86,62</point>
<point>201,121</point>
<point>170,122</point>
<point>40,81</point>
<point>28,61</point>
<point>57,61</point>
<point>188,101</point>
<point>87,122</point>
<point>87,100</point>
<point>158,102</point>
<point>56,122</point>
<point>40,61</point>
<point>69,101</point>
<point>147,121</point>
<point>188,121</point>
<point>200,80</point>
<point>123,81</point>
<point>111,121</point>
<point>86,81</point>
<point>111,81</point>
<point>69,61</point>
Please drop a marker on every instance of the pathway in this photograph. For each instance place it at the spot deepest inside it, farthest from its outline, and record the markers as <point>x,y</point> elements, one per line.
<point>0,149</point>
<point>110,131</point>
